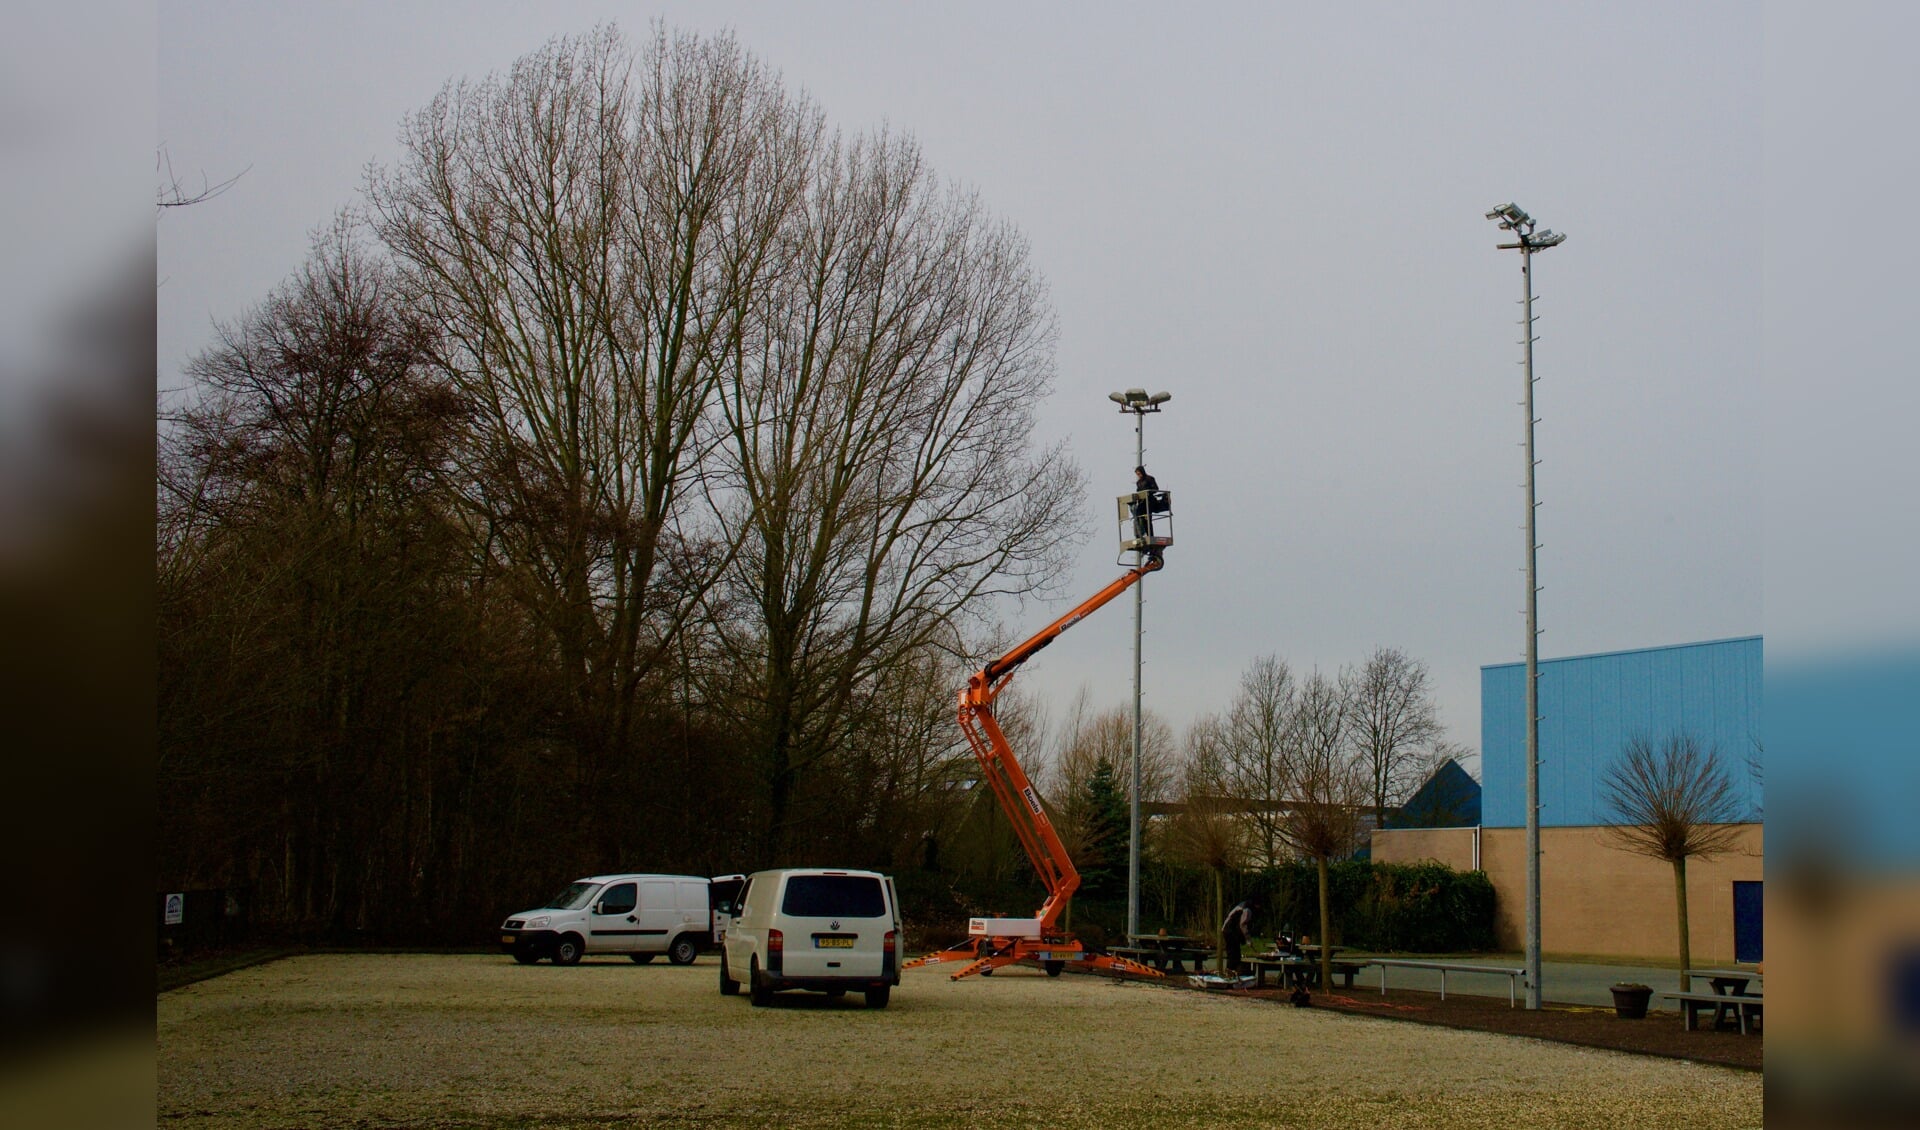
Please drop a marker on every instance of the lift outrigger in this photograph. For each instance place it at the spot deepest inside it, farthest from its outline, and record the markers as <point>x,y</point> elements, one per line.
<point>1146,519</point>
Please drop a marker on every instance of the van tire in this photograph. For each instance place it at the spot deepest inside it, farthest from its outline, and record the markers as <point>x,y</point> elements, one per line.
<point>728,986</point>
<point>641,958</point>
<point>568,950</point>
<point>757,989</point>
<point>526,955</point>
<point>683,949</point>
<point>877,998</point>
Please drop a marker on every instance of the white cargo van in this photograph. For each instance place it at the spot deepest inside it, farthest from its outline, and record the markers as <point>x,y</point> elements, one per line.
<point>640,916</point>
<point>811,928</point>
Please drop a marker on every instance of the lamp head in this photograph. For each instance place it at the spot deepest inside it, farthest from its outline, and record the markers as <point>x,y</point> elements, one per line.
<point>1119,398</point>
<point>1160,398</point>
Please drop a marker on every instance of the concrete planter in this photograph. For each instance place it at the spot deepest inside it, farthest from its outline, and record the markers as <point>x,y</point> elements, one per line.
<point>1630,1001</point>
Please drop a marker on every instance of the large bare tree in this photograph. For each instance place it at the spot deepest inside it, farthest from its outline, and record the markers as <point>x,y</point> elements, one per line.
<point>882,483</point>
<point>590,230</point>
<point>1673,801</point>
<point>1393,724</point>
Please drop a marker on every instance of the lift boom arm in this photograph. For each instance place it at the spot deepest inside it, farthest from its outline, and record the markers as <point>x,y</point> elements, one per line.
<point>1002,771</point>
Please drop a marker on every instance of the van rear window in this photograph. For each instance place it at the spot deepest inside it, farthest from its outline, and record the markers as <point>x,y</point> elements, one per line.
<point>834,896</point>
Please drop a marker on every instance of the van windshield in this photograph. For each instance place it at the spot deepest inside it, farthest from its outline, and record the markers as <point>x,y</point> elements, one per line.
<point>834,896</point>
<point>574,897</point>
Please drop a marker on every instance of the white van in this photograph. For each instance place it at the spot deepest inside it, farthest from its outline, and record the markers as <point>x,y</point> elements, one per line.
<point>640,916</point>
<point>811,928</point>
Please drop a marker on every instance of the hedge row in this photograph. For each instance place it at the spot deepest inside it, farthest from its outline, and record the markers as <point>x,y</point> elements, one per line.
<point>1393,907</point>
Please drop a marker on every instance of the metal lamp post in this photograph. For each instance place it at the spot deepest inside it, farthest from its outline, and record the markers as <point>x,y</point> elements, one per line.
<point>1512,218</point>
<point>1136,401</point>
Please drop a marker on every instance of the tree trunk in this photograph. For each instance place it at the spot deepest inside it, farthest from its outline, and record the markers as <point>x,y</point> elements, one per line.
<point>1680,896</point>
<point>1219,915</point>
<point>1326,936</point>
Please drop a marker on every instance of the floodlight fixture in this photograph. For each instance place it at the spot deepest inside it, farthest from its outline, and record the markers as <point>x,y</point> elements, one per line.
<point>1510,215</point>
<point>1117,397</point>
<point>1547,238</point>
<point>1160,398</point>
<point>1136,400</point>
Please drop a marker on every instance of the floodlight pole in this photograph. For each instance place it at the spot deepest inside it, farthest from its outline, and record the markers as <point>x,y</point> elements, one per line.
<point>1136,401</point>
<point>1512,218</point>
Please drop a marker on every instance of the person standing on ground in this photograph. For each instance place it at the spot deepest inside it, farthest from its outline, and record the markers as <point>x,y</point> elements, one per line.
<point>1235,931</point>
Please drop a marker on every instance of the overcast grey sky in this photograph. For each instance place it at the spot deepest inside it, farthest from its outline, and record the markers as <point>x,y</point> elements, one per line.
<point>1272,211</point>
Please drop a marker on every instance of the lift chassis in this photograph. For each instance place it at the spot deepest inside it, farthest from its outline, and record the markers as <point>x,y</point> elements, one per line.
<point>1146,522</point>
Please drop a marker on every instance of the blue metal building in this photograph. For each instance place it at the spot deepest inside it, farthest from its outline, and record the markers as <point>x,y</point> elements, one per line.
<point>1590,705</point>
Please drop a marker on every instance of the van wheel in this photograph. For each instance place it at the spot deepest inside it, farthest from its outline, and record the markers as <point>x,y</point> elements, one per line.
<point>877,998</point>
<point>640,958</point>
<point>1054,968</point>
<point>568,949</point>
<point>526,956</point>
<point>683,950</point>
<point>758,990</point>
<point>728,986</point>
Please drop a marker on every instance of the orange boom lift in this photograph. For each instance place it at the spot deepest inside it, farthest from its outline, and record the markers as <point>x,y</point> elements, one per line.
<point>994,942</point>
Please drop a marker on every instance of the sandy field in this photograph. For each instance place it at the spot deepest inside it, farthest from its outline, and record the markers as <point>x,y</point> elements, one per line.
<point>477,1041</point>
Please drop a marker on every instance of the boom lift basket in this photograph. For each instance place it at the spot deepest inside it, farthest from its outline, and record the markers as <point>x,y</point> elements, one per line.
<point>1146,521</point>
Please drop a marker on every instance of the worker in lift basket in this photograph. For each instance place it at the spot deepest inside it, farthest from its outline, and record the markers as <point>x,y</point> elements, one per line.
<point>1142,524</point>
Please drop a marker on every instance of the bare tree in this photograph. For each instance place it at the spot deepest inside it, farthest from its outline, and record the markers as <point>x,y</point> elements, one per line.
<point>170,193</point>
<point>1675,802</point>
<point>1393,724</point>
<point>312,594</point>
<point>589,230</point>
<point>1327,787</point>
<point>1087,740</point>
<point>882,483</point>
<point>1254,740</point>
<point>1206,832</point>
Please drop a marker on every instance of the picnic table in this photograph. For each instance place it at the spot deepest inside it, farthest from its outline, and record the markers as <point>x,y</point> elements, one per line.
<point>1165,952</point>
<point>1301,969</point>
<point>1729,998</point>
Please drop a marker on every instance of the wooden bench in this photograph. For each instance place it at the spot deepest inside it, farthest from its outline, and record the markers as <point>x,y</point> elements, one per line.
<point>1513,975</point>
<point>1693,1004</point>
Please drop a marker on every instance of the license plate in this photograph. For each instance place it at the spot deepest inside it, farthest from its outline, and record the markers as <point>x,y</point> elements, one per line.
<point>834,943</point>
<point>506,939</point>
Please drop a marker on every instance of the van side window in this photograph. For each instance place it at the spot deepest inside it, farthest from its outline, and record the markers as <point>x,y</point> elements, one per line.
<point>618,899</point>
<point>842,896</point>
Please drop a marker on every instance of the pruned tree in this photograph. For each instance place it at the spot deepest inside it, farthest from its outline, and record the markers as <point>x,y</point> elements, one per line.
<point>1673,801</point>
<point>1254,739</point>
<point>1327,789</point>
<point>1393,724</point>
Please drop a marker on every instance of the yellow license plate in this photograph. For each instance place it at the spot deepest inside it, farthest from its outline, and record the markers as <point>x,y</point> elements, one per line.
<point>834,943</point>
<point>506,939</point>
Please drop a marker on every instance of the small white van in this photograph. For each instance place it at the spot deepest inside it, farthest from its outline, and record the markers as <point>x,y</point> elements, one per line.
<point>640,916</point>
<point>812,928</point>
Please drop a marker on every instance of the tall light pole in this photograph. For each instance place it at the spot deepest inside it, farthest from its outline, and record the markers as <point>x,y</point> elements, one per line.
<point>1512,218</point>
<point>1136,401</point>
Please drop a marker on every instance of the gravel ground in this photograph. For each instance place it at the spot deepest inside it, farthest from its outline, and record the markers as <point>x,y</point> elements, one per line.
<point>475,1040</point>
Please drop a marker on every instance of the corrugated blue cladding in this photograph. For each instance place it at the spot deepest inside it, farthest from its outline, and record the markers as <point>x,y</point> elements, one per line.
<point>1591,704</point>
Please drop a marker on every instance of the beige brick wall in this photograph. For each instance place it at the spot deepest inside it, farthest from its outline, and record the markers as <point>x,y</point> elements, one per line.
<point>1595,897</point>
